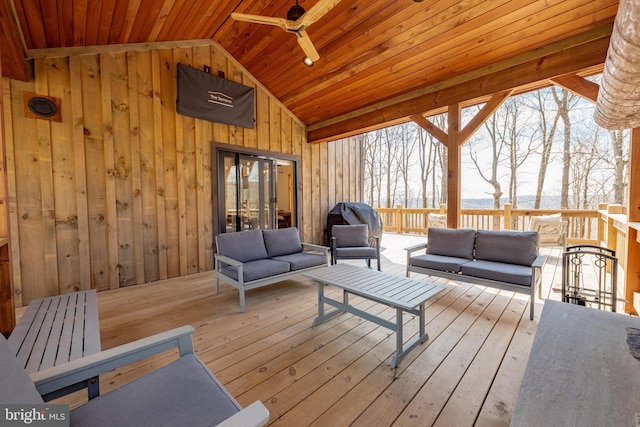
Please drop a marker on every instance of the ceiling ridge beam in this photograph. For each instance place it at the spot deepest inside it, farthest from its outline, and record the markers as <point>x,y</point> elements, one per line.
<point>553,48</point>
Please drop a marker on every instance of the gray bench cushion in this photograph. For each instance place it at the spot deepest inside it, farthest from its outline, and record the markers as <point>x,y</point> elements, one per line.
<point>183,390</point>
<point>456,243</point>
<point>439,262</point>
<point>242,246</point>
<point>510,247</point>
<point>16,387</point>
<point>258,269</point>
<point>353,235</point>
<point>283,241</point>
<point>501,272</point>
<point>301,260</point>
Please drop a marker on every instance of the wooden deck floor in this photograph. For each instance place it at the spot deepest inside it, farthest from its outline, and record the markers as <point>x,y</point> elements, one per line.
<point>338,373</point>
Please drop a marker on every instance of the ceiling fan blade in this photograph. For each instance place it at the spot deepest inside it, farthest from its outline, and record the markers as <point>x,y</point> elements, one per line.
<point>316,12</point>
<point>307,45</point>
<point>257,19</point>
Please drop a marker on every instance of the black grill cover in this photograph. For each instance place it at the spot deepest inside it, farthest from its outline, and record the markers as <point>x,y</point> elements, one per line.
<point>354,213</point>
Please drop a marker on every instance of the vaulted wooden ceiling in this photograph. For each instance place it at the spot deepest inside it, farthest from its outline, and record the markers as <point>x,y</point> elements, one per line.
<point>381,61</point>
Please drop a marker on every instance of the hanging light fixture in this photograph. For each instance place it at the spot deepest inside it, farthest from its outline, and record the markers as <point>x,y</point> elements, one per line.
<point>307,61</point>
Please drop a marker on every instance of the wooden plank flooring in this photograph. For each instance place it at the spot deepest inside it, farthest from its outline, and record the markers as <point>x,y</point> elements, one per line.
<point>338,373</point>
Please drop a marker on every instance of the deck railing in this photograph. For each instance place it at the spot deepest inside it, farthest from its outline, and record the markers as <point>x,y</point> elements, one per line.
<point>585,226</point>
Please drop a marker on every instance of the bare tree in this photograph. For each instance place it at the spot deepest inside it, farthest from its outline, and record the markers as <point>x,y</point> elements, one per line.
<point>546,130</point>
<point>493,126</point>
<point>565,100</point>
<point>620,161</point>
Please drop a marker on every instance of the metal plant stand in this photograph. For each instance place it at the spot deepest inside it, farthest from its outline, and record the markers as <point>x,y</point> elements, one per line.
<point>589,276</point>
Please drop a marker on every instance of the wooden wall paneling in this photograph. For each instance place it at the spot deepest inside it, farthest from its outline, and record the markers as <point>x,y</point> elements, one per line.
<point>306,216</point>
<point>190,197</point>
<point>220,130</point>
<point>64,179</point>
<point>262,119</point>
<point>204,210</point>
<point>142,81</point>
<point>28,194</point>
<point>275,138</point>
<point>331,180</point>
<point>250,135</point>
<point>323,207</point>
<point>11,200</point>
<point>159,165</point>
<point>346,173</point>
<point>101,172</point>
<point>75,120</point>
<point>50,280</point>
<point>285,132</point>
<point>181,56</point>
<point>316,195</point>
<point>339,170</point>
<point>118,80</point>
<point>137,221</point>
<point>169,117</point>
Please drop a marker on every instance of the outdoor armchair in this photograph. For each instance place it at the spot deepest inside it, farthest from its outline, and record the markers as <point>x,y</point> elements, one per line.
<point>183,392</point>
<point>552,230</point>
<point>354,242</point>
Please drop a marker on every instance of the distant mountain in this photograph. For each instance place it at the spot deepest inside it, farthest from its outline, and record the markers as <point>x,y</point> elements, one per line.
<point>524,202</point>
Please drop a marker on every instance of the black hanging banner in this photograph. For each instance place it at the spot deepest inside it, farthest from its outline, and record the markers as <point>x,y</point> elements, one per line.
<point>211,98</point>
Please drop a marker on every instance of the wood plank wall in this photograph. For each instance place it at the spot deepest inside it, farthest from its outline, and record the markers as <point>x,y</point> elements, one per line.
<point>119,193</point>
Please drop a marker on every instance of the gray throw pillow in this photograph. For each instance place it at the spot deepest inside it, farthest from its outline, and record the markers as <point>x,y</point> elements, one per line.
<point>451,242</point>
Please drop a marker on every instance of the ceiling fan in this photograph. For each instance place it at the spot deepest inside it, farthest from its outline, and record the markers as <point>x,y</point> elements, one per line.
<point>297,21</point>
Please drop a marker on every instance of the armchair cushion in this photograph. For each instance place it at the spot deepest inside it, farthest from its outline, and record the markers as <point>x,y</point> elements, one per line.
<point>195,397</point>
<point>244,246</point>
<point>356,235</point>
<point>282,241</point>
<point>356,252</point>
<point>457,243</point>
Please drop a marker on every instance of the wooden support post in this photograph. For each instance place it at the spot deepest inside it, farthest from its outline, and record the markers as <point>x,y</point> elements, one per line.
<point>399,219</point>
<point>632,267</point>
<point>453,165</point>
<point>507,216</point>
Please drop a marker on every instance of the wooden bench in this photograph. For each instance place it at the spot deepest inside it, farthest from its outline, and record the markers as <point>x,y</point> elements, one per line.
<point>57,330</point>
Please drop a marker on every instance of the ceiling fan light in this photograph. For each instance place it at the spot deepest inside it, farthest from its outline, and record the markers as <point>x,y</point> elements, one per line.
<point>295,12</point>
<point>307,61</point>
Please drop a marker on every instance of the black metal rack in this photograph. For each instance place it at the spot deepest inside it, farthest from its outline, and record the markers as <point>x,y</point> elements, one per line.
<point>597,289</point>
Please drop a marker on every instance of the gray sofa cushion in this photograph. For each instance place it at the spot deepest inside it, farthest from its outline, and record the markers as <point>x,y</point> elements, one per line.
<point>283,241</point>
<point>439,262</point>
<point>456,243</point>
<point>242,246</point>
<point>16,386</point>
<point>356,252</point>
<point>181,393</point>
<point>355,235</point>
<point>258,269</point>
<point>302,260</point>
<point>510,273</point>
<point>511,247</point>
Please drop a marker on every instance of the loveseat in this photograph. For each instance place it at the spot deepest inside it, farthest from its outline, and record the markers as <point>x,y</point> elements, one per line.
<point>501,259</point>
<point>254,258</point>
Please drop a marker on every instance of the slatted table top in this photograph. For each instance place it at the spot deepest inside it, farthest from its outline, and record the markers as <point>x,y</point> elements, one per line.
<point>56,330</point>
<point>376,285</point>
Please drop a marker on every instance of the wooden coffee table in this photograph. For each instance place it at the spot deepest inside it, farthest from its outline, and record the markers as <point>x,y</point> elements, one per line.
<point>395,291</point>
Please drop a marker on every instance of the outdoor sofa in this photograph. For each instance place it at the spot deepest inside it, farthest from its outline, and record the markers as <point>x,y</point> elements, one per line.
<point>254,258</point>
<point>500,259</point>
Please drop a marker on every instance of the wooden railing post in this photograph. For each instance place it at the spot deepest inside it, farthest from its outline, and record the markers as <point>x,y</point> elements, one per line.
<point>442,209</point>
<point>399,219</point>
<point>602,223</point>
<point>507,216</point>
<point>612,234</point>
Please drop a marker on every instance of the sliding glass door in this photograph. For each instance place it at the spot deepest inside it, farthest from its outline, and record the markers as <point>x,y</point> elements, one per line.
<point>247,190</point>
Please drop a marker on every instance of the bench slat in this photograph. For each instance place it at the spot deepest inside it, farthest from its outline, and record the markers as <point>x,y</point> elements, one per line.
<point>51,351</point>
<point>92,327</point>
<point>77,342</point>
<point>44,334</point>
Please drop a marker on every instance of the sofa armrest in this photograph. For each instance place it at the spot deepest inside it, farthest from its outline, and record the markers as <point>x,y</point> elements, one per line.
<point>254,415</point>
<point>227,260</point>
<point>54,379</point>
<point>539,261</point>
<point>414,248</point>
<point>318,248</point>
